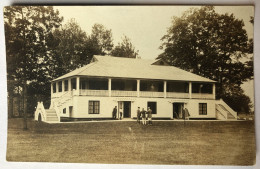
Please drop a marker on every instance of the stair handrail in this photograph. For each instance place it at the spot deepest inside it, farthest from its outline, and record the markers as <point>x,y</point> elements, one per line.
<point>57,110</point>
<point>40,108</point>
<point>229,109</point>
<point>219,107</point>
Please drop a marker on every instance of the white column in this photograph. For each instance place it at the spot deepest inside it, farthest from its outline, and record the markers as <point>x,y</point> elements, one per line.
<point>77,86</point>
<point>51,89</point>
<point>109,87</point>
<point>69,84</point>
<point>190,90</point>
<point>214,90</point>
<point>165,89</point>
<point>138,88</point>
<point>63,86</point>
<point>57,87</point>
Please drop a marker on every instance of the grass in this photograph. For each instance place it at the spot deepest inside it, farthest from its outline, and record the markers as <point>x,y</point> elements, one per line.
<point>165,142</point>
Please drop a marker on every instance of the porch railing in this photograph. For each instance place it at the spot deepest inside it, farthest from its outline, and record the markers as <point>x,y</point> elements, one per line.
<point>151,94</point>
<point>177,95</point>
<point>124,93</point>
<point>86,92</point>
<point>202,96</point>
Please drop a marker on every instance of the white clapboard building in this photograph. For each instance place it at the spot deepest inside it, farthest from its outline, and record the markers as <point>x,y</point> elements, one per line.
<point>91,92</point>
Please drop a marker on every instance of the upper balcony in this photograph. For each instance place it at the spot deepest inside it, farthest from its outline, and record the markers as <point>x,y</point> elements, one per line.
<point>85,86</point>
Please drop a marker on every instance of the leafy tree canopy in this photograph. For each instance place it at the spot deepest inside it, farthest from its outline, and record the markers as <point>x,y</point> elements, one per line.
<point>125,49</point>
<point>209,44</point>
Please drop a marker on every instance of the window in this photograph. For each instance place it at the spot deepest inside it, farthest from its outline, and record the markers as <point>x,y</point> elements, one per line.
<point>153,107</point>
<point>54,87</point>
<point>60,86</point>
<point>66,83</point>
<point>202,108</point>
<point>64,111</point>
<point>93,107</point>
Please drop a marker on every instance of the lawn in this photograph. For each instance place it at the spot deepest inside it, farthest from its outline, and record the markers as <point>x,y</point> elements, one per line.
<point>165,142</point>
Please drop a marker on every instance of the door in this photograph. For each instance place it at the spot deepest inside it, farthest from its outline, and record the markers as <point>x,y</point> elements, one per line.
<point>177,110</point>
<point>127,109</point>
<point>70,111</point>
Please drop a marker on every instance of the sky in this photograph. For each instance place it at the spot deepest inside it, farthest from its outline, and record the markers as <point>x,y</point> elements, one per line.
<point>146,25</point>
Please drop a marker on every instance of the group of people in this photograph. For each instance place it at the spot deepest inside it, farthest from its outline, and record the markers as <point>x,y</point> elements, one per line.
<point>145,116</point>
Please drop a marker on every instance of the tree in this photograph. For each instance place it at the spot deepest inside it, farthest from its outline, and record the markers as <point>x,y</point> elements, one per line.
<point>70,52</point>
<point>100,41</point>
<point>28,31</point>
<point>125,49</point>
<point>209,44</point>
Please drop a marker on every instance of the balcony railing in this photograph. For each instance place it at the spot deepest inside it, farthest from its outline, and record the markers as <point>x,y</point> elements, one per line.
<point>202,96</point>
<point>151,94</point>
<point>177,95</point>
<point>93,92</point>
<point>123,93</point>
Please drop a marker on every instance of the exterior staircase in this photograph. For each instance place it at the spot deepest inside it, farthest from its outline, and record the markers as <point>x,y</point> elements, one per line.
<point>224,112</point>
<point>51,116</point>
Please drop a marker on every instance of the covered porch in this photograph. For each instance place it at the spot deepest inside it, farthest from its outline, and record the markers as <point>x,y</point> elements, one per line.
<point>115,87</point>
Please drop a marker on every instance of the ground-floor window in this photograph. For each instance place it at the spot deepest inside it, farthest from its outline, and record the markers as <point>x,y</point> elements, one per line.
<point>202,108</point>
<point>153,107</point>
<point>64,111</point>
<point>93,107</point>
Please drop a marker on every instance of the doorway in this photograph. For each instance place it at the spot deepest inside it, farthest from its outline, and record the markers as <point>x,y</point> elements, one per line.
<point>125,107</point>
<point>177,110</point>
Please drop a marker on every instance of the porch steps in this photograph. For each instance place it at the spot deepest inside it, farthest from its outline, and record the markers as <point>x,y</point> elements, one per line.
<point>51,116</point>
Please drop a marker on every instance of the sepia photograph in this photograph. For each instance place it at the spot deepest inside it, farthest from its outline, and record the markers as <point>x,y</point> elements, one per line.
<point>168,85</point>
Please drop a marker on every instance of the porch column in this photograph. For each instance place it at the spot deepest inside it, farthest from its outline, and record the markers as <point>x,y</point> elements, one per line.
<point>165,89</point>
<point>138,88</point>
<point>57,87</point>
<point>214,90</point>
<point>77,85</point>
<point>190,90</point>
<point>109,87</point>
<point>63,86</point>
<point>51,89</point>
<point>69,84</point>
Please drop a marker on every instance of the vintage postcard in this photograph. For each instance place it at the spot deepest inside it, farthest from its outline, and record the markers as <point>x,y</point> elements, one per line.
<point>168,85</point>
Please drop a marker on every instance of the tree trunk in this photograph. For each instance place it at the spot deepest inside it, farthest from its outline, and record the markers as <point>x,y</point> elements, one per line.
<point>25,106</point>
<point>11,106</point>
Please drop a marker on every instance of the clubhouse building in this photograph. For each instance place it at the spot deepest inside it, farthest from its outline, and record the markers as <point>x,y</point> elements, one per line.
<point>91,92</point>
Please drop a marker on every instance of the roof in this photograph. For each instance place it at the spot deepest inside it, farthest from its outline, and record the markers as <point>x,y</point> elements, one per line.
<point>118,67</point>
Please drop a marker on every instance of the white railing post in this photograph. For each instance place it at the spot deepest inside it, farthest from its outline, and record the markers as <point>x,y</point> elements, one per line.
<point>69,84</point>
<point>190,90</point>
<point>57,87</point>
<point>77,85</point>
<point>51,89</point>
<point>214,91</point>
<point>63,86</point>
<point>109,87</point>
<point>165,89</point>
<point>138,88</point>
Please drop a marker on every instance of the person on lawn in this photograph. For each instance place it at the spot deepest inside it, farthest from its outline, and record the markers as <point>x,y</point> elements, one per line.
<point>138,115</point>
<point>149,115</point>
<point>143,113</point>
<point>114,112</point>
<point>121,113</point>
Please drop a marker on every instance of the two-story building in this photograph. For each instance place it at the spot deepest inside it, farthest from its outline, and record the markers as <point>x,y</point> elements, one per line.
<point>92,91</point>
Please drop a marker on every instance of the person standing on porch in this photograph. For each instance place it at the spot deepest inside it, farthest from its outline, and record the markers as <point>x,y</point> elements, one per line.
<point>114,112</point>
<point>143,113</point>
<point>149,115</point>
<point>138,115</point>
<point>121,113</point>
